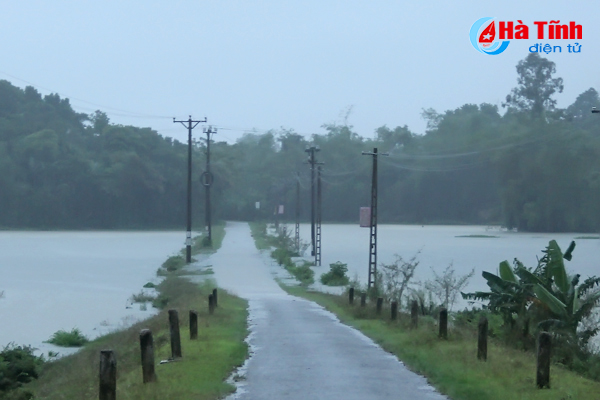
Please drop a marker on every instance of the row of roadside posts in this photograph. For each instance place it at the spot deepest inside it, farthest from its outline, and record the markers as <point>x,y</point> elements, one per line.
<point>108,360</point>
<point>543,342</point>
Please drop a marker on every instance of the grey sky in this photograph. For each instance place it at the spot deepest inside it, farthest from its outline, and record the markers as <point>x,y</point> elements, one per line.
<point>271,64</point>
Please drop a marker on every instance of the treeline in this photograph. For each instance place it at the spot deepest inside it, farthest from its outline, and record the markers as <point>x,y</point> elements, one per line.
<point>534,167</point>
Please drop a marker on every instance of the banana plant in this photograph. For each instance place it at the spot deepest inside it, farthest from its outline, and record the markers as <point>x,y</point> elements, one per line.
<point>567,301</point>
<point>511,292</point>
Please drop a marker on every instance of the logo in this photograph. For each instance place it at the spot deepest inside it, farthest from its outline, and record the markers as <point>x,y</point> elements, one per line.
<point>483,35</point>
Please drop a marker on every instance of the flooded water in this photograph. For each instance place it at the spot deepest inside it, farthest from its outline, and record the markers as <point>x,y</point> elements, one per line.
<point>441,245</point>
<point>63,280</point>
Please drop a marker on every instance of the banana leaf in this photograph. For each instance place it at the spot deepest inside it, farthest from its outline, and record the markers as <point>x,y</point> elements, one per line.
<point>554,304</point>
<point>506,272</point>
<point>557,267</point>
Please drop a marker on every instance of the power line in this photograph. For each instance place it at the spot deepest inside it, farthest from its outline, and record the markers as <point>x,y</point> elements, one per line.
<point>439,169</point>
<point>125,112</point>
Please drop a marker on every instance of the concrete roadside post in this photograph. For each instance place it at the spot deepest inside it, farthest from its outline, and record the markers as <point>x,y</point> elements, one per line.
<point>543,360</point>
<point>193,325</point>
<point>147,351</point>
<point>174,331</point>
<point>414,314</point>
<point>482,338</point>
<point>444,323</point>
<point>108,375</point>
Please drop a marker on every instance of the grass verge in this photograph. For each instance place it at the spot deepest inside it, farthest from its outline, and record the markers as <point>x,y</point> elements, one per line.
<point>451,365</point>
<point>200,374</point>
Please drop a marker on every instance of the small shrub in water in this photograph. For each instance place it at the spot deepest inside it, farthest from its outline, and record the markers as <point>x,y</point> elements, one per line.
<point>68,339</point>
<point>173,263</point>
<point>336,275</point>
<point>142,297</point>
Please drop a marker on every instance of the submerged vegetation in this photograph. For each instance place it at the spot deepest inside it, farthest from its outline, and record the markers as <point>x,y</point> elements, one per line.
<point>336,275</point>
<point>284,249</point>
<point>200,374</point>
<point>74,338</point>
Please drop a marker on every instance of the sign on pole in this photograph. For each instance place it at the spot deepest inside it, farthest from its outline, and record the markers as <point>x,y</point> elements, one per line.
<point>365,217</point>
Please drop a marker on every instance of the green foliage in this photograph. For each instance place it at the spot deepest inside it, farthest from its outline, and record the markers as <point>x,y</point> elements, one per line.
<point>548,297</point>
<point>160,301</point>
<point>536,86</point>
<point>336,275</point>
<point>74,338</point>
<point>451,365</point>
<point>303,273</point>
<point>174,263</point>
<point>201,374</point>
<point>142,297</point>
<point>534,168</point>
<point>18,366</point>
<point>149,285</point>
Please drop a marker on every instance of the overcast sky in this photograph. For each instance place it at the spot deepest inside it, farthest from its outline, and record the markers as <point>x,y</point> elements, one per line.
<point>269,64</point>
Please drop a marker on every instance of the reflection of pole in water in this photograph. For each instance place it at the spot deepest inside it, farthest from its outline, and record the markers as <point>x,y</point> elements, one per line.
<point>372,278</point>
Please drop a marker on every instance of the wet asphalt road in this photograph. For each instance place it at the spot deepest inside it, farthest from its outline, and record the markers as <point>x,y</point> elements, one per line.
<point>301,351</point>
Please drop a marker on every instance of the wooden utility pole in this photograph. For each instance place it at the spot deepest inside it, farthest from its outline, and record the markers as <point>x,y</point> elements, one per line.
<point>190,125</point>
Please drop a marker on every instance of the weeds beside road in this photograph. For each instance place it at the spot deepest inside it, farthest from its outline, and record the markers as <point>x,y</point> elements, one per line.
<point>451,365</point>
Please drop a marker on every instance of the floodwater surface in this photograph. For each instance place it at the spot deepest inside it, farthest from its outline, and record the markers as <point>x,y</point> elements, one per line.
<point>63,280</point>
<point>439,246</point>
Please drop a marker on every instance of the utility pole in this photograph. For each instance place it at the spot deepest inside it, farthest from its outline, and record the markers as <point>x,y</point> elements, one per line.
<point>191,124</point>
<point>318,233</point>
<point>297,231</point>
<point>207,181</point>
<point>312,161</point>
<point>373,225</point>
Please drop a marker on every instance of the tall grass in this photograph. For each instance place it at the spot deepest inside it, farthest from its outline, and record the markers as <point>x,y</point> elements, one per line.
<point>200,374</point>
<point>451,365</point>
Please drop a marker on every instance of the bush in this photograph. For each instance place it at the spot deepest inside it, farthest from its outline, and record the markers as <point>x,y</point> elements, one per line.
<point>303,273</point>
<point>68,339</point>
<point>18,365</point>
<point>142,297</point>
<point>336,275</point>
<point>282,256</point>
<point>174,263</point>
<point>160,302</point>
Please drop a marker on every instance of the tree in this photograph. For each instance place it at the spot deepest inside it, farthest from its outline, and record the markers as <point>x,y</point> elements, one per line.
<point>395,277</point>
<point>535,86</point>
<point>448,285</point>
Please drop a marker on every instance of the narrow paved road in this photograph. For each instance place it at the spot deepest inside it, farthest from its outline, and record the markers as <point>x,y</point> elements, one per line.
<point>300,350</point>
